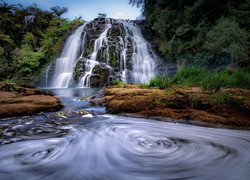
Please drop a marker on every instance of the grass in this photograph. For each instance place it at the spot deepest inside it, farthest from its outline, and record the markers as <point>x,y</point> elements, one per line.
<point>119,83</point>
<point>212,81</point>
<point>161,82</point>
<point>190,76</point>
<point>221,98</point>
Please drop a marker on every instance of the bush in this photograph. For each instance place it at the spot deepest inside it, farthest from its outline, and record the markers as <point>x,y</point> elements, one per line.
<point>239,78</point>
<point>161,82</point>
<point>212,81</point>
<point>190,76</point>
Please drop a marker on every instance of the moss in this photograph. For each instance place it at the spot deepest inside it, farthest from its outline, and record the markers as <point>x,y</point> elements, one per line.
<point>101,55</point>
<point>123,34</point>
<point>89,48</point>
<point>115,31</point>
<point>77,72</point>
<point>112,56</point>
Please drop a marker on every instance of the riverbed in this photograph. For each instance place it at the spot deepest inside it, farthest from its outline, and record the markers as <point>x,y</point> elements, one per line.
<point>106,146</point>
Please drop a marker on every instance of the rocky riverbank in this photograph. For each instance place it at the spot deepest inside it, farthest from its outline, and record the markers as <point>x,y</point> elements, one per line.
<point>16,101</point>
<point>228,108</point>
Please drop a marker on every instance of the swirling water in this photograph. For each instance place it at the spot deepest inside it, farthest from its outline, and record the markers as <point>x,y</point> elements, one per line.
<point>116,147</point>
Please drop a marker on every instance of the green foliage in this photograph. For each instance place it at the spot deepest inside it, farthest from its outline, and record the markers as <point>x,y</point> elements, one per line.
<point>161,82</point>
<point>221,98</point>
<point>200,32</point>
<point>212,81</point>
<point>227,36</point>
<point>27,61</point>
<point>30,38</point>
<point>190,76</point>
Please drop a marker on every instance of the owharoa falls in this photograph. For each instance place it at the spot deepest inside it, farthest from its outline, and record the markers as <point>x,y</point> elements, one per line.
<point>101,51</point>
<point>103,146</point>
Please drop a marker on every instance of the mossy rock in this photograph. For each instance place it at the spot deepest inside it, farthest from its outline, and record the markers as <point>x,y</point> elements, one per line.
<point>89,47</point>
<point>103,71</point>
<point>112,56</point>
<point>96,81</point>
<point>101,55</point>
<point>79,69</point>
<point>115,31</point>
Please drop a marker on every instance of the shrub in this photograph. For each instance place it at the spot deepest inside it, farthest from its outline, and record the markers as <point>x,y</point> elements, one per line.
<point>212,81</point>
<point>190,76</point>
<point>161,82</point>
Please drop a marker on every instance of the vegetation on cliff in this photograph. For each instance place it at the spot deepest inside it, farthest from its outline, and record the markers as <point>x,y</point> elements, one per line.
<point>30,38</point>
<point>209,33</point>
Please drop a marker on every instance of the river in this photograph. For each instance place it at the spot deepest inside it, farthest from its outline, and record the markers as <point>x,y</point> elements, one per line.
<point>115,147</point>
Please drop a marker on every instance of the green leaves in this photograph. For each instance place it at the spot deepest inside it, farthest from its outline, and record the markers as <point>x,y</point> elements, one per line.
<point>27,60</point>
<point>227,36</point>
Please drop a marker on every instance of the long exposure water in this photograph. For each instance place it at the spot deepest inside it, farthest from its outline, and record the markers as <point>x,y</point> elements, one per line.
<point>115,147</point>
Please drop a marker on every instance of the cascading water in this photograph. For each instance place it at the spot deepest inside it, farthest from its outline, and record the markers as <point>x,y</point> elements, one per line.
<point>120,52</point>
<point>90,64</point>
<point>65,63</point>
<point>143,58</point>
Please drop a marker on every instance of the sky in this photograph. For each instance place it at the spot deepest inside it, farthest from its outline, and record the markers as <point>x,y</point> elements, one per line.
<point>87,9</point>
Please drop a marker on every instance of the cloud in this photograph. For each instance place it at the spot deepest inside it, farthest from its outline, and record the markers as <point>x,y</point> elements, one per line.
<point>120,14</point>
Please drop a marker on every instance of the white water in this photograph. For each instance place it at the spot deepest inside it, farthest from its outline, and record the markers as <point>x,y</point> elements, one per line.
<point>65,63</point>
<point>99,42</point>
<point>105,147</point>
<point>90,64</point>
<point>143,58</point>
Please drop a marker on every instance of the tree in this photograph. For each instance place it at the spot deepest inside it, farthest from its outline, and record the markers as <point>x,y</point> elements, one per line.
<point>59,10</point>
<point>227,36</point>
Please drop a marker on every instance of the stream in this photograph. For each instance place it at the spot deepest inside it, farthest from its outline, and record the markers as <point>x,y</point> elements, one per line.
<point>115,147</point>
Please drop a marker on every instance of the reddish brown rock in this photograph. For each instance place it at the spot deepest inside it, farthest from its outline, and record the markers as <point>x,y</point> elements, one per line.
<point>26,101</point>
<point>177,103</point>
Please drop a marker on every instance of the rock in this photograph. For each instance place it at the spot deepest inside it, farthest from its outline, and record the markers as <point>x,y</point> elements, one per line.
<point>188,104</point>
<point>27,102</point>
<point>96,102</point>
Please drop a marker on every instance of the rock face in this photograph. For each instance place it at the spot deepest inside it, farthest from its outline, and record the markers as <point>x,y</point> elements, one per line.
<point>109,50</point>
<point>16,101</point>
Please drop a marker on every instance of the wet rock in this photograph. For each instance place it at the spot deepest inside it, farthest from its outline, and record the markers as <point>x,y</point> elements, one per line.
<point>27,102</point>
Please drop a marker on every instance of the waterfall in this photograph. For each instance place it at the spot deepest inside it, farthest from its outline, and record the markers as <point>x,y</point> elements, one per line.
<point>99,42</point>
<point>101,51</point>
<point>65,63</point>
<point>47,75</point>
<point>90,64</point>
<point>143,57</point>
